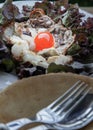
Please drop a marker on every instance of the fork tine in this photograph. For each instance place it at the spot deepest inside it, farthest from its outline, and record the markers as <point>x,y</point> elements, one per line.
<point>74,94</point>
<point>71,98</point>
<point>78,101</point>
<point>75,101</point>
<point>64,95</point>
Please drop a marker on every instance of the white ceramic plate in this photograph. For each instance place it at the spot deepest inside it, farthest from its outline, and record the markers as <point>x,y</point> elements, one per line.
<point>7,79</point>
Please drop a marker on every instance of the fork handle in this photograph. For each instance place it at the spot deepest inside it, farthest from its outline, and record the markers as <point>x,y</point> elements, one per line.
<point>3,127</point>
<point>16,124</point>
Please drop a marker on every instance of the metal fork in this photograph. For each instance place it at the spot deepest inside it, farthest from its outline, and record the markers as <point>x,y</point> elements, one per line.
<point>57,110</point>
<point>75,124</point>
<point>81,121</point>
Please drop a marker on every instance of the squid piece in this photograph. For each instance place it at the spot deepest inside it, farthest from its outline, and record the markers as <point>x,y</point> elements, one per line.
<point>34,59</point>
<point>60,60</point>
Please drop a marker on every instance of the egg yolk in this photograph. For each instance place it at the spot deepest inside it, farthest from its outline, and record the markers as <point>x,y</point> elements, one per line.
<point>43,40</point>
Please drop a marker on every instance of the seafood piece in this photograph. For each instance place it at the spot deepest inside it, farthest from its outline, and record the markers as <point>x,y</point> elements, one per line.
<point>63,38</point>
<point>43,21</point>
<point>8,32</point>
<point>34,59</point>
<point>60,60</point>
<point>15,40</point>
<point>48,52</point>
<point>37,12</point>
<point>41,30</point>
<point>18,50</point>
<point>62,35</point>
<point>25,28</point>
<point>63,49</point>
<point>23,39</point>
<point>30,41</point>
<point>55,28</point>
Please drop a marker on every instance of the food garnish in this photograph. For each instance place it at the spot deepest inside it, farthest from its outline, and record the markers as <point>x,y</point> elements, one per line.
<point>43,40</point>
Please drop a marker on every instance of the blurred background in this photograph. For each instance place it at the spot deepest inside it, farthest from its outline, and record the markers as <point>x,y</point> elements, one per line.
<point>83,4</point>
<point>80,2</point>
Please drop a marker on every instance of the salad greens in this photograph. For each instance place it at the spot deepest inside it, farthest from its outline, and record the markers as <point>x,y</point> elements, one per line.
<point>71,18</point>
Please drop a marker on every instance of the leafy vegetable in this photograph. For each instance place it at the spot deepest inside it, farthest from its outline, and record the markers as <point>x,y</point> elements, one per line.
<point>73,50</point>
<point>72,17</point>
<point>7,65</point>
<point>27,70</point>
<point>53,68</point>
